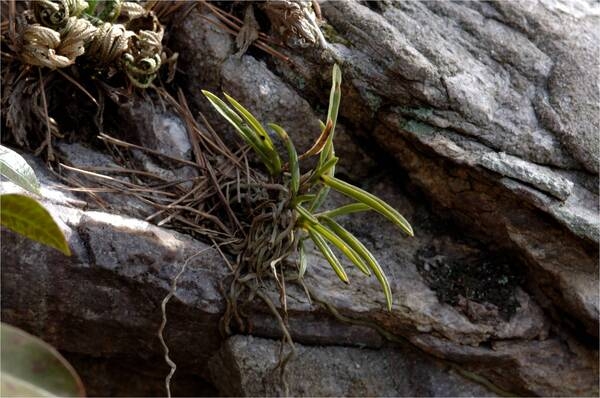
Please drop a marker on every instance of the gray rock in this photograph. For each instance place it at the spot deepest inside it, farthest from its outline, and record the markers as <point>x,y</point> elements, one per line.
<point>104,301</point>
<point>86,159</point>
<point>576,375</point>
<point>156,127</point>
<point>540,177</point>
<point>465,97</point>
<point>247,366</point>
<point>563,262</point>
<point>443,88</point>
<point>270,99</point>
<point>213,65</point>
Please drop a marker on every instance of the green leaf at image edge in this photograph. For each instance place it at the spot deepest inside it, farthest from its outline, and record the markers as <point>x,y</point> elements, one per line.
<point>16,170</point>
<point>32,368</point>
<point>29,218</point>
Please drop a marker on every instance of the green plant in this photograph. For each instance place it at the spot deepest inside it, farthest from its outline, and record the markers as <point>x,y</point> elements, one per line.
<point>296,216</point>
<point>23,214</point>
<point>31,368</point>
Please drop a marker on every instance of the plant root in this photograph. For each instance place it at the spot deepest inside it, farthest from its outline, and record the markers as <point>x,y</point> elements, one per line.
<point>163,323</point>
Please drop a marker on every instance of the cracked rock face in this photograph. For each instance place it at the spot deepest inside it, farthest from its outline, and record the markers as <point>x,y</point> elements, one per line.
<point>102,307</point>
<point>333,372</point>
<point>477,121</point>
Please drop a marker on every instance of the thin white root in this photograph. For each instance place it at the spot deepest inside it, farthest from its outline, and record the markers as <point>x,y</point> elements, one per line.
<point>163,324</point>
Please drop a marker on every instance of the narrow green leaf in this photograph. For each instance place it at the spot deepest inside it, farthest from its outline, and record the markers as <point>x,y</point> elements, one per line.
<point>251,120</point>
<point>345,210</point>
<point>223,109</point>
<point>31,367</point>
<point>304,198</point>
<point>269,157</point>
<point>343,246</point>
<point>319,199</point>
<point>27,217</point>
<point>362,251</point>
<point>369,199</point>
<point>326,168</point>
<point>16,170</point>
<point>306,215</point>
<point>292,156</point>
<point>303,260</point>
<point>328,254</point>
<point>332,113</point>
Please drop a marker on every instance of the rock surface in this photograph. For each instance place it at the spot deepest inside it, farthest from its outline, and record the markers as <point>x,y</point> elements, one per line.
<point>104,301</point>
<point>247,366</point>
<point>471,100</point>
<point>485,112</point>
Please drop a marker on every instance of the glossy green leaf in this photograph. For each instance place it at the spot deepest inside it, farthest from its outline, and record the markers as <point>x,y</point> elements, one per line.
<point>251,120</point>
<point>269,157</point>
<point>332,113</point>
<point>345,210</point>
<point>362,251</point>
<point>27,217</point>
<point>370,200</point>
<point>14,387</point>
<point>342,246</point>
<point>326,168</point>
<point>303,259</point>
<point>292,156</point>
<point>328,254</point>
<point>32,368</point>
<point>16,170</point>
<point>306,215</point>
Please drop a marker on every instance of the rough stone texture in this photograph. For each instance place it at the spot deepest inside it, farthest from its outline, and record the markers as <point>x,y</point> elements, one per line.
<point>503,360</point>
<point>217,68</point>
<point>104,301</point>
<point>470,98</point>
<point>487,111</point>
<point>478,104</point>
<point>562,265</point>
<point>133,377</point>
<point>540,177</point>
<point>246,366</point>
<point>102,304</point>
<point>85,158</point>
<point>148,123</point>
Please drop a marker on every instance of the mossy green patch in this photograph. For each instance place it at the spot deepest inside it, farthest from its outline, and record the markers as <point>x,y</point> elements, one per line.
<point>333,36</point>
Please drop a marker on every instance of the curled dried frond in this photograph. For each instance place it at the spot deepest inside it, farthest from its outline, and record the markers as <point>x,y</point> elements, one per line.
<point>75,35</point>
<point>109,43</point>
<point>131,10</point>
<point>39,48</point>
<point>295,21</point>
<point>52,14</point>
<point>59,31</point>
<point>144,54</point>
